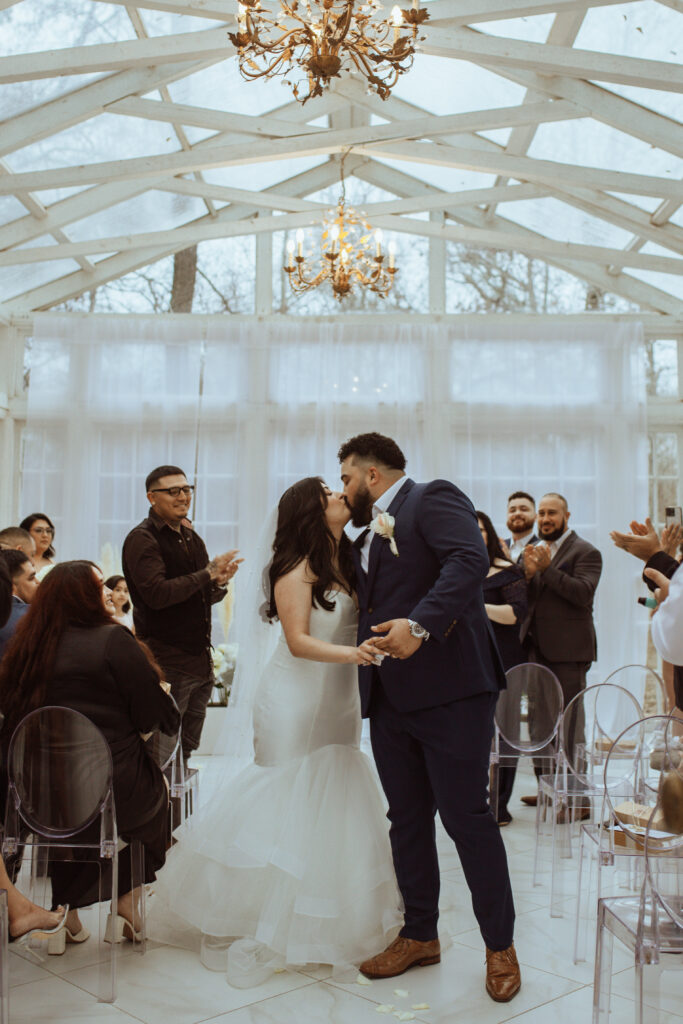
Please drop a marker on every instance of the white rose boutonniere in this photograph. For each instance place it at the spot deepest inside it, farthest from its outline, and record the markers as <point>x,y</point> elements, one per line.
<point>383,525</point>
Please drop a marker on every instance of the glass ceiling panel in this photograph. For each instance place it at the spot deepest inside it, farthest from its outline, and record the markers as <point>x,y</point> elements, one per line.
<point>221,87</point>
<point>152,211</point>
<point>666,103</point>
<point>105,137</point>
<point>260,176</point>
<point>10,209</point>
<point>26,28</point>
<point>646,29</point>
<point>592,144</point>
<point>444,86</point>
<point>671,283</point>
<point>161,23</point>
<point>17,280</point>
<point>447,179</point>
<point>530,30</point>
<point>564,223</point>
<point>17,97</point>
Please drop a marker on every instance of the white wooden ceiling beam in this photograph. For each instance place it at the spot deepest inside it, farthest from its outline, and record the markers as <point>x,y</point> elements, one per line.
<point>209,228</point>
<point>258,125</point>
<point>452,13</point>
<point>72,285</point>
<point>458,43</point>
<point>81,104</point>
<point>100,197</point>
<point>563,31</point>
<point>524,168</point>
<point>545,59</point>
<point>216,10</point>
<point>207,44</point>
<point>363,140</point>
<point>636,291</point>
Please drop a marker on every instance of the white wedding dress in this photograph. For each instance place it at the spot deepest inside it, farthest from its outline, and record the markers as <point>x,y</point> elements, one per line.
<point>294,851</point>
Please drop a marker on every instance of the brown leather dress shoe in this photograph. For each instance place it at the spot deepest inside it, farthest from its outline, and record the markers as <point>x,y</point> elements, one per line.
<point>565,815</point>
<point>503,980</point>
<point>530,801</point>
<point>399,956</point>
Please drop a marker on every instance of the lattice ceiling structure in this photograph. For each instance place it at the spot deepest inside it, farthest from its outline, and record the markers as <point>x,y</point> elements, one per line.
<point>548,127</point>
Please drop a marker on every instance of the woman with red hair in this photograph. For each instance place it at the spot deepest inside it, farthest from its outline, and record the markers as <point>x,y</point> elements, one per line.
<point>67,651</point>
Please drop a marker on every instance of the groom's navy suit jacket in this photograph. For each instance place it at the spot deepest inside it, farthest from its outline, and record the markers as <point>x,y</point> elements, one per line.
<point>437,581</point>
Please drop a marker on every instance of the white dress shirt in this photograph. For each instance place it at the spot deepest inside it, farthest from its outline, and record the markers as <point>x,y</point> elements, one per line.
<point>381,505</point>
<point>555,545</point>
<point>518,545</point>
<point>667,624</point>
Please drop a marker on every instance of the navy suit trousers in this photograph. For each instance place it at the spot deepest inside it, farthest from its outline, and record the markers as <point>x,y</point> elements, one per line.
<point>438,759</point>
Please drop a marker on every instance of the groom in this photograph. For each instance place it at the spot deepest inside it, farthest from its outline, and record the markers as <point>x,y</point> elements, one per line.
<point>420,568</point>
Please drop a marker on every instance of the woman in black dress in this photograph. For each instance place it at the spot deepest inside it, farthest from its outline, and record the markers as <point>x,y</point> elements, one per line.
<point>67,651</point>
<point>505,600</point>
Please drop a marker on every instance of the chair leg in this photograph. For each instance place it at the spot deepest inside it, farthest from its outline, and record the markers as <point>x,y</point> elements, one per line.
<point>602,982</point>
<point>137,860</point>
<point>106,980</point>
<point>4,959</point>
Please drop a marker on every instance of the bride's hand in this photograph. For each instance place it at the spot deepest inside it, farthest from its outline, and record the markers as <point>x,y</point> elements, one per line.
<point>365,654</point>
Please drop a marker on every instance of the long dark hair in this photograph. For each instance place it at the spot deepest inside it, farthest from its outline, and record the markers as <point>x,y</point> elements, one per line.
<point>70,595</point>
<point>302,533</point>
<point>114,581</point>
<point>28,522</point>
<point>493,545</point>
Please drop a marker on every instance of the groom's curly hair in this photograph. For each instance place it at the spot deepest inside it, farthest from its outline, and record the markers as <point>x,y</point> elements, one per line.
<point>374,447</point>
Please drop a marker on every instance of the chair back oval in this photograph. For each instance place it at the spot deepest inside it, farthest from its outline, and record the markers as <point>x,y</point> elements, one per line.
<point>529,710</point>
<point>60,768</point>
<point>664,832</point>
<point>646,685</point>
<point>590,724</point>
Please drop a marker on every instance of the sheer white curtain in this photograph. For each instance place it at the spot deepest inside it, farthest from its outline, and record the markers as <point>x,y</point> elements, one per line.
<point>256,405</point>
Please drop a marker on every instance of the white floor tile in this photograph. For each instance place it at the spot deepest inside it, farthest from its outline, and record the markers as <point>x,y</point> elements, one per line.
<point>170,986</point>
<point>55,1001</point>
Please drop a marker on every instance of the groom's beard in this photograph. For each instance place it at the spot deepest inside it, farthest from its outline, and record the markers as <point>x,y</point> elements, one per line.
<point>361,509</point>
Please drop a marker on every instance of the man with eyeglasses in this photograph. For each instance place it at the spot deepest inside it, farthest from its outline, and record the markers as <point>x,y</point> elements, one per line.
<point>173,584</point>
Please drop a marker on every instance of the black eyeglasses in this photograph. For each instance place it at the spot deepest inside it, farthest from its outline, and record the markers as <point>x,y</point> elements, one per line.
<point>174,491</point>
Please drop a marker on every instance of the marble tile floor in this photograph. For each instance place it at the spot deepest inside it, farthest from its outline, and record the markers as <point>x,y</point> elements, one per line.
<point>170,986</point>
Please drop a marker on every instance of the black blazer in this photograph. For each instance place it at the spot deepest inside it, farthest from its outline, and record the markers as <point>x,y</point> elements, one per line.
<point>437,581</point>
<point>560,618</point>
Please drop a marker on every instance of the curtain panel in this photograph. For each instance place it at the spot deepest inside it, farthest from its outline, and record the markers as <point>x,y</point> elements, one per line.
<point>248,408</point>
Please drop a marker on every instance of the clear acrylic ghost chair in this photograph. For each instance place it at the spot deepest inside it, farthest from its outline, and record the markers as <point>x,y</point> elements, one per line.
<point>604,844</point>
<point>61,790</point>
<point>4,958</point>
<point>649,924</point>
<point>527,719</point>
<point>590,723</point>
<point>183,782</point>
<point>646,685</point>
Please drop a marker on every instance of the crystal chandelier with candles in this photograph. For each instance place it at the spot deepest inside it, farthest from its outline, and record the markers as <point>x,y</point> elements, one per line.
<point>313,40</point>
<point>351,255</point>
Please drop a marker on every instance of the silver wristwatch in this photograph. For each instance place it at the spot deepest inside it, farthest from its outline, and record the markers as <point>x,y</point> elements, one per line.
<point>418,631</point>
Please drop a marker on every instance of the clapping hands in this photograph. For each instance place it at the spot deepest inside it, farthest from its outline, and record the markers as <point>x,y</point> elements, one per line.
<point>643,541</point>
<point>536,559</point>
<point>223,567</point>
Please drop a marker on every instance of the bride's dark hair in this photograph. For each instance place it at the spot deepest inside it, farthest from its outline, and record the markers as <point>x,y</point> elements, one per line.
<point>302,533</point>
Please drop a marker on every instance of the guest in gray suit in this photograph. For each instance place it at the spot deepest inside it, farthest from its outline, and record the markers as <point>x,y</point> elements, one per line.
<point>563,572</point>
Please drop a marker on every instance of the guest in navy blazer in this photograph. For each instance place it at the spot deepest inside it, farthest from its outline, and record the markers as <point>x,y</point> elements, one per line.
<point>431,701</point>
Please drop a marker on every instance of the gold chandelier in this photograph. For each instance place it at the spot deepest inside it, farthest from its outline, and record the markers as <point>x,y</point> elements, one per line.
<point>348,256</point>
<point>320,38</point>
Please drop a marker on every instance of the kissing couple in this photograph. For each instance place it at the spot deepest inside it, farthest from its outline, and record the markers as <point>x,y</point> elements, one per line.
<point>293,851</point>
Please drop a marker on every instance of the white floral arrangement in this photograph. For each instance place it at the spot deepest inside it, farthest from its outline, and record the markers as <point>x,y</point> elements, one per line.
<point>224,658</point>
<point>383,526</point>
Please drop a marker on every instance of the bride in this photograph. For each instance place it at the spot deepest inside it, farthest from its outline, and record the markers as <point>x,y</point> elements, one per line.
<point>293,852</point>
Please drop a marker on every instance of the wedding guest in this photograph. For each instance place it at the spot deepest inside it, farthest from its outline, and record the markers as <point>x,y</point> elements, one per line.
<point>659,555</point>
<point>14,538</point>
<point>173,584</point>
<point>521,519</point>
<point>563,572</point>
<point>24,585</point>
<point>42,530</point>
<point>121,601</point>
<point>67,652</point>
<point>505,602</point>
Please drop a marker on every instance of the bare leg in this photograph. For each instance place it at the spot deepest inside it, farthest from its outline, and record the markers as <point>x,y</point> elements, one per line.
<point>129,907</point>
<point>23,914</point>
